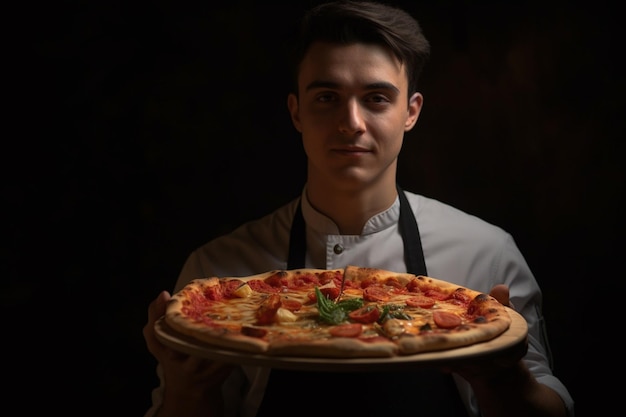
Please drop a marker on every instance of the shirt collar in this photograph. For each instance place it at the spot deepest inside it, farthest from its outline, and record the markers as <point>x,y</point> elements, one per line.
<point>324,225</point>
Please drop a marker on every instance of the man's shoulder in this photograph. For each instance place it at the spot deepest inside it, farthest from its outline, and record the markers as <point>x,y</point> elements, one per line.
<point>431,212</point>
<point>422,204</point>
<point>256,246</point>
<point>270,224</point>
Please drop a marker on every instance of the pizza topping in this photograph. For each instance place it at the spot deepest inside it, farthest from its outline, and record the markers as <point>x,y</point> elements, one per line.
<point>420,301</point>
<point>261,286</point>
<point>243,291</point>
<point>437,295</point>
<point>291,305</point>
<point>330,312</point>
<point>446,320</point>
<point>326,277</point>
<point>393,311</point>
<point>214,292</point>
<point>375,293</point>
<point>285,316</point>
<point>266,313</point>
<point>335,313</point>
<point>331,293</point>
<point>394,327</point>
<point>367,314</point>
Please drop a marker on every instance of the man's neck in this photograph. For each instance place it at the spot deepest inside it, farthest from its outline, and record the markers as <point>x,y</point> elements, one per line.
<point>350,209</point>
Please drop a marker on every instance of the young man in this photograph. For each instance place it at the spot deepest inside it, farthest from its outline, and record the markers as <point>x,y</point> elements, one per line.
<point>354,99</point>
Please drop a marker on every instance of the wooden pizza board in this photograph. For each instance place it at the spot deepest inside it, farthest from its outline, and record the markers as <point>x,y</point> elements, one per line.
<point>513,340</point>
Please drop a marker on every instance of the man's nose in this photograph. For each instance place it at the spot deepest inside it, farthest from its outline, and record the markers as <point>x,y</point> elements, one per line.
<point>352,120</point>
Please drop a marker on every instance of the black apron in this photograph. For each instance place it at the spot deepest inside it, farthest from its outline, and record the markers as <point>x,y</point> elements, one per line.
<point>426,392</point>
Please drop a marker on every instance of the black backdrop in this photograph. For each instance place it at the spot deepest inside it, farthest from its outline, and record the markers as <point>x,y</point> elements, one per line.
<point>142,130</point>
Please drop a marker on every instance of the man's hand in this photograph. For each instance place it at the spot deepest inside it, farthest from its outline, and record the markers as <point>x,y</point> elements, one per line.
<point>491,366</point>
<point>503,384</point>
<point>501,293</point>
<point>192,383</point>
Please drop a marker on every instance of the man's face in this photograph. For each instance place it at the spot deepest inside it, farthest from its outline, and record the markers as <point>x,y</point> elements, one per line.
<point>352,111</point>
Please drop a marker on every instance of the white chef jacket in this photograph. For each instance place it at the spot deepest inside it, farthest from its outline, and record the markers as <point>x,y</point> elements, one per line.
<point>457,247</point>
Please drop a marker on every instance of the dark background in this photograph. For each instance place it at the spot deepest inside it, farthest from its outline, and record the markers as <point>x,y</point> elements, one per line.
<point>138,131</point>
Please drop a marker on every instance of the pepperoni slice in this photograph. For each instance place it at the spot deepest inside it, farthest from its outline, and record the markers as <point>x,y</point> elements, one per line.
<point>445,319</point>
<point>346,330</point>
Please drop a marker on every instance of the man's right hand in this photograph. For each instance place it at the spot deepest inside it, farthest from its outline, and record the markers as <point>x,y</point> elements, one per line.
<point>192,384</point>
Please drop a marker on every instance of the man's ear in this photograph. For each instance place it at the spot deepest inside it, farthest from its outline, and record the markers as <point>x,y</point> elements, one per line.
<point>292,105</point>
<point>413,112</point>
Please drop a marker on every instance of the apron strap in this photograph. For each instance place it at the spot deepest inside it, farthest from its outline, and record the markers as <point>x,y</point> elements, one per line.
<point>297,240</point>
<point>413,253</point>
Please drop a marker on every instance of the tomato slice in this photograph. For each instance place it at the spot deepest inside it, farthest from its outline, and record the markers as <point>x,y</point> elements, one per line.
<point>291,305</point>
<point>346,330</point>
<point>374,293</point>
<point>420,301</point>
<point>367,314</point>
<point>446,320</point>
<point>437,295</point>
<point>330,292</point>
<point>267,310</point>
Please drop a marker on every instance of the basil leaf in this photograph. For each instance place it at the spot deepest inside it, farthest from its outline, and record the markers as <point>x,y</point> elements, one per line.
<point>335,313</point>
<point>350,304</point>
<point>401,315</point>
<point>393,311</point>
<point>330,312</point>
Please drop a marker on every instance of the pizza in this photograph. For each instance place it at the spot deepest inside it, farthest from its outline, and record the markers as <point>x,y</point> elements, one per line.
<point>355,312</point>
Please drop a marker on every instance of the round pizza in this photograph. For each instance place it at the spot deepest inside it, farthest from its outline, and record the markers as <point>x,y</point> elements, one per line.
<point>338,313</point>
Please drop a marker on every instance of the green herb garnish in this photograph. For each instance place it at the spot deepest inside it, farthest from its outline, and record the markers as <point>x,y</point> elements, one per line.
<point>393,311</point>
<point>350,304</point>
<point>335,313</point>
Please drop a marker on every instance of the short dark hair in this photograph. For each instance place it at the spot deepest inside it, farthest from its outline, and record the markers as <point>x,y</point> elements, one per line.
<point>350,21</point>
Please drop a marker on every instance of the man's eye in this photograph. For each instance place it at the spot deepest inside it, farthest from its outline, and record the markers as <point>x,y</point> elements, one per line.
<point>378,99</point>
<point>325,98</point>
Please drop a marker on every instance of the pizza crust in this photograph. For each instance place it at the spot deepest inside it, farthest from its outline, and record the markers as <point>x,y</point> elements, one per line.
<point>336,347</point>
<point>409,344</point>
